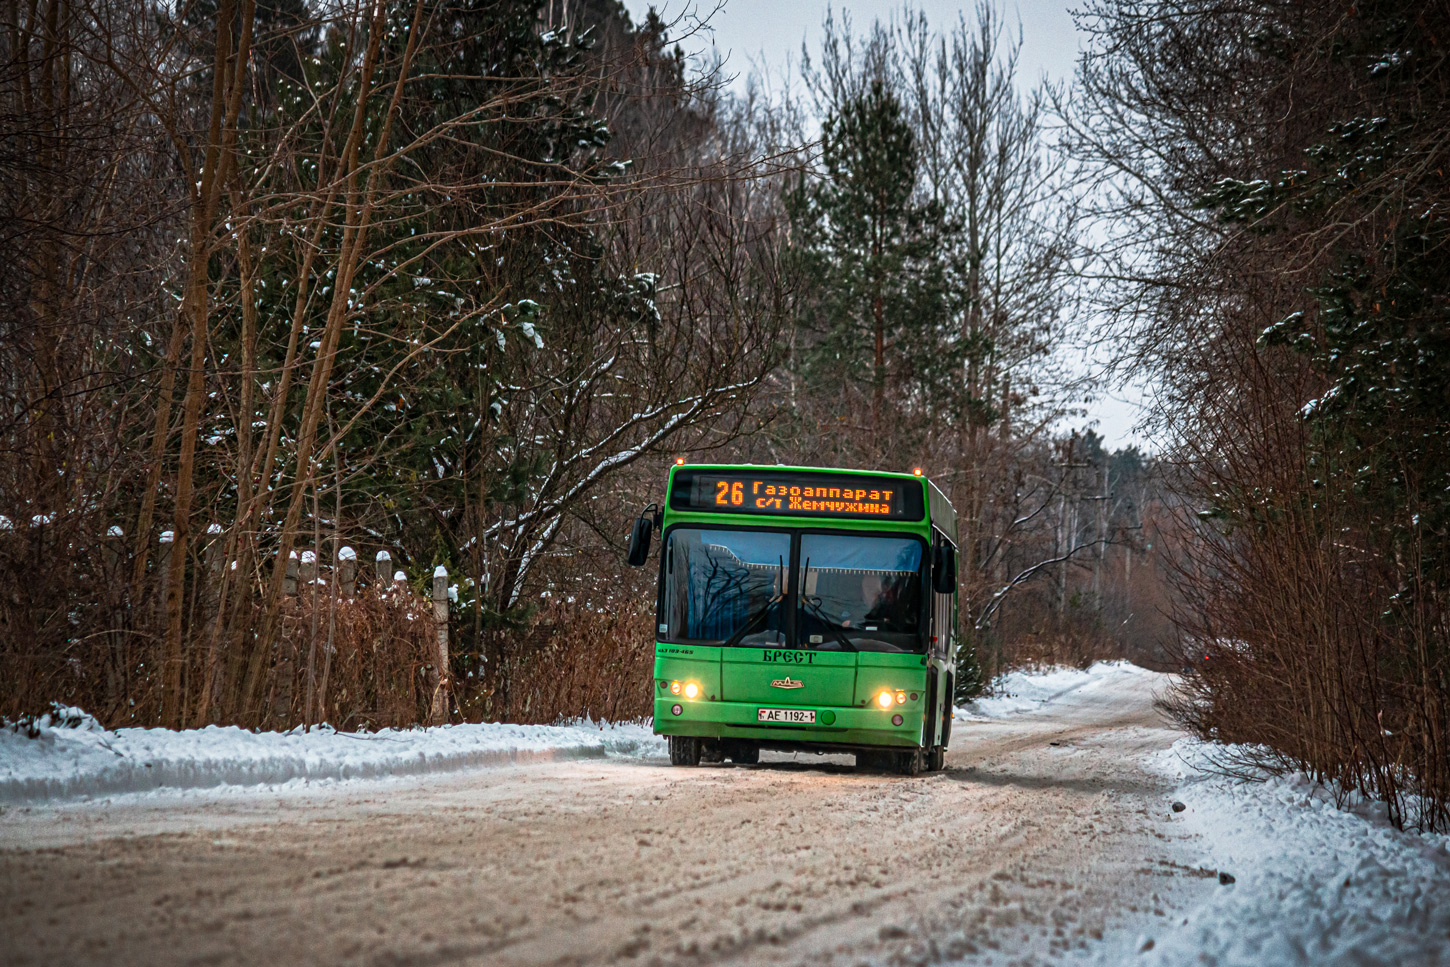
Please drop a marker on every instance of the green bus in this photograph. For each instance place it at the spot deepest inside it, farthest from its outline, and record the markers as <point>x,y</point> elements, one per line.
<point>803,609</point>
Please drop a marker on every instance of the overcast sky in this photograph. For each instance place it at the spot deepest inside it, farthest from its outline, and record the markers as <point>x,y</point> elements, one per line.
<point>769,33</point>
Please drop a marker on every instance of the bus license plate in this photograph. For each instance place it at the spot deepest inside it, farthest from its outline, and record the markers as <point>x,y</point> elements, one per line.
<point>794,716</point>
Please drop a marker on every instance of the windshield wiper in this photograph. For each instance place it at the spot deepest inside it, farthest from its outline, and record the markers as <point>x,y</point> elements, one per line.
<point>816,607</point>
<point>833,629</point>
<point>749,627</point>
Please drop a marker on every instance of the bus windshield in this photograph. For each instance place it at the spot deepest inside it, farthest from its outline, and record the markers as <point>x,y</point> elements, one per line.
<point>725,586</point>
<point>859,593</point>
<point>854,592</point>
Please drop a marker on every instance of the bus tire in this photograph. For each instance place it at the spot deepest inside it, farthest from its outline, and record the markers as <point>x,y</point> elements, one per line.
<point>873,761</point>
<point>935,759</point>
<point>684,750</point>
<point>909,763</point>
<point>745,754</point>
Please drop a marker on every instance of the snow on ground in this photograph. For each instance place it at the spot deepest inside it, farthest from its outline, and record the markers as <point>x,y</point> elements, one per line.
<point>1312,884</point>
<point>73,757</point>
<point>1032,689</point>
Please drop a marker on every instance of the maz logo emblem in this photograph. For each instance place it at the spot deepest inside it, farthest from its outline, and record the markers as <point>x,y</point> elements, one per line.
<point>786,683</point>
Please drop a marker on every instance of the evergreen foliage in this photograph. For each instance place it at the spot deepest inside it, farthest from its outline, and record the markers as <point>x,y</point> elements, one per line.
<point>884,287</point>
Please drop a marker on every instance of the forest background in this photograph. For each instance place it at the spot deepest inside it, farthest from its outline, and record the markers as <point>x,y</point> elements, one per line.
<point>292,286</point>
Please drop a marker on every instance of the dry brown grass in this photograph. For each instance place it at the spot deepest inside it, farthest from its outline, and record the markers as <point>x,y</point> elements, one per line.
<point>368,662</point>
<point>569,661</point>
<point>1313,651</point>
<point>379,672</point>
<point>578,662</point>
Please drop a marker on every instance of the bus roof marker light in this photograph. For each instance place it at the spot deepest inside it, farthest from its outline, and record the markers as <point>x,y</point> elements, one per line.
<point>679,461</point>
<point>916,471</point>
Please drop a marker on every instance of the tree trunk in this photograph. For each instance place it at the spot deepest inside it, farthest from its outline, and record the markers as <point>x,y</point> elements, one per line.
<point>227,85</point>
<point>360,204</point>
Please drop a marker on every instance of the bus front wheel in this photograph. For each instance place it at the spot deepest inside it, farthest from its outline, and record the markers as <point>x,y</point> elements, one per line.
<point>910,763</point>
<point>684,750</point>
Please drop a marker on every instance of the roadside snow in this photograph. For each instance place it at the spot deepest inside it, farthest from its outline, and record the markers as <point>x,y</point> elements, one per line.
<point>1313,884</point>
<point>73,757</point>
<point>1030,691</point>
<point>1309,884</point>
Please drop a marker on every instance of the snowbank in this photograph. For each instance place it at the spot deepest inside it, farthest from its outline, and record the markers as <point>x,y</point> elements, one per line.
<point>1313,885</point>
<point>1308,884</point>
<point>1029,691</point>
<point>72,756</point>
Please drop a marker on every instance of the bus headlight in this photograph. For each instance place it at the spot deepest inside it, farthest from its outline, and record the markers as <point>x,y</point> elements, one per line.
<point>884,699</point>
<point>692,690</point>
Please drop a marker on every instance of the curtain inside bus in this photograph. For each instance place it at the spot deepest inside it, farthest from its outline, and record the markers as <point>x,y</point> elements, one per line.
<point>859,593</point>
<point>721,585</point>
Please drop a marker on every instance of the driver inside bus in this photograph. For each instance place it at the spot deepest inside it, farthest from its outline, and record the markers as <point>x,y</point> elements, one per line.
<point>766,623</point>
<point>870,599</point>
<point>775,611</point>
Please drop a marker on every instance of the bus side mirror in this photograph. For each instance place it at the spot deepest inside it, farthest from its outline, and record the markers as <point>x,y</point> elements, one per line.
<point>639,539</point>
<point>944,569</point>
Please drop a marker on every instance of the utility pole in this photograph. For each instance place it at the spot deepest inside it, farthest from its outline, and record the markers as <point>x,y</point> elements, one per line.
<point>1128,579</point>
<point>1101,538</point>
<point>1066,531</point>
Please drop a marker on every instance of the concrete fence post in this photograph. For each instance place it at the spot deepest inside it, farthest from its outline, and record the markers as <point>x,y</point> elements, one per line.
<point>307,571</point>
<point>212,556</point>
<point>346,571</point>
<point>163,568</point>
<point>289,580</point>
<point>114,549</point>
<point>384,569</point>
<point>440,630</point>
<point>214,545</point>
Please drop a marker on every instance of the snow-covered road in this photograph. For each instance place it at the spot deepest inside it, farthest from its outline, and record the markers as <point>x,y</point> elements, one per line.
<point>1049,839</point>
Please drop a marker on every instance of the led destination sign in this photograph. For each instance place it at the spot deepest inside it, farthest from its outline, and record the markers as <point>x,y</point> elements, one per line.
<point>800,494</point>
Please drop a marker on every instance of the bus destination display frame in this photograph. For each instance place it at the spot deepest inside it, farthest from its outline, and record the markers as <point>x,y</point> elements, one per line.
<point>784,493</point>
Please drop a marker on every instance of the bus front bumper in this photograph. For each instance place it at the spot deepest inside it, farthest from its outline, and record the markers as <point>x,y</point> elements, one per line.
<point>851,727</point>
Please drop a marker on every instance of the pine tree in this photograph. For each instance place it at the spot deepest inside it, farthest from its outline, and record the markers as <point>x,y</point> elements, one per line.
<point>876,254</point>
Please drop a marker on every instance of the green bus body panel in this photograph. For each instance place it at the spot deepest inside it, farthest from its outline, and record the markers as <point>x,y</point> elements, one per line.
<point>735,683</point>
<point>871,679</point>
<point>705,671</point>
<point>840,687</point>
<point>941,512</point>
<point>745,679</point>
<point>737,720</point>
